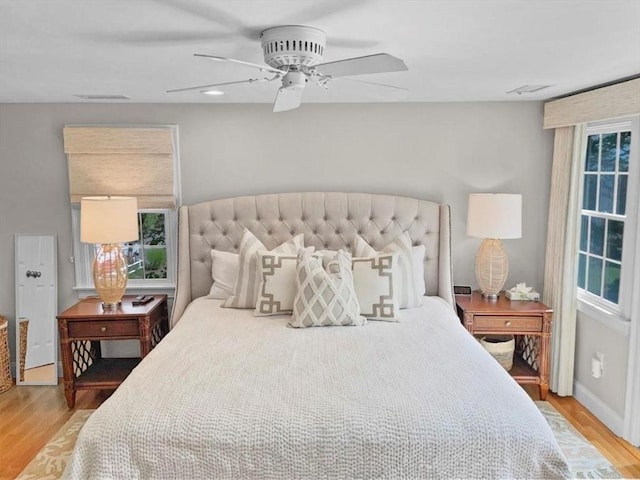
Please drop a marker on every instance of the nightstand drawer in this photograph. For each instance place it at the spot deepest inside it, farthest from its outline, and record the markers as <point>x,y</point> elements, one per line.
<point>506,323</point>
<point>120,328</point>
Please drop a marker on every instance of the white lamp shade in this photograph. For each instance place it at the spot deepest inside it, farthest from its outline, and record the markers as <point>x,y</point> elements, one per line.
<point>494,215</point>
<point>108,219</point>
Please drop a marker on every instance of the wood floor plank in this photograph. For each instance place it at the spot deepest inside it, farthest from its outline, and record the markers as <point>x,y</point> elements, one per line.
<point>30,416</point>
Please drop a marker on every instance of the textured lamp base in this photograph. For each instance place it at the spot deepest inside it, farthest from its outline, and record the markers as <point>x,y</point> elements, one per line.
<point>110,275</point>
<point>492,267</point>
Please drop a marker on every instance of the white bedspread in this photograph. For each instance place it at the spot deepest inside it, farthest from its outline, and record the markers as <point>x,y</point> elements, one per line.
<point>230,395</point>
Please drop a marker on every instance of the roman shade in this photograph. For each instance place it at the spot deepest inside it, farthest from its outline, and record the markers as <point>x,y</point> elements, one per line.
<point>123,161</point>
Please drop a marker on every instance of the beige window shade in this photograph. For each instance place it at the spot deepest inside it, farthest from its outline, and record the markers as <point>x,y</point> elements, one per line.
<point>121,161</point>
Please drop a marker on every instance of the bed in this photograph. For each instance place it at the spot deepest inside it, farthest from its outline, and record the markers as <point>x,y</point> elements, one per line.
<point>231,395</point>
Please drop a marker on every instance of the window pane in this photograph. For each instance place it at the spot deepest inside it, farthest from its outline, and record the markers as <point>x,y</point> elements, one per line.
<point>595,275</point>
<point>615,231</point>
<point>596,244</point>
<point>611,282</point>
<point>605,203</point>
<point>584,232</point>
<point>153,231</point>
<point>590,190</point>
<point>621,204</point>
<point>593,143</point>
<point>625,146</point>
<point>155,262</point>
<point>608,155</point>
<point>582,266</point>
<point>131,252</point>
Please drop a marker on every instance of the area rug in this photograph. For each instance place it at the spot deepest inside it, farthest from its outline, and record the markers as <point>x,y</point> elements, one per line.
<point>50,462</point>
<point>584,459</point>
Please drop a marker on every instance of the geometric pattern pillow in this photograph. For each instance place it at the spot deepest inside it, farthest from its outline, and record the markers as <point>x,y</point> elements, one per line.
<point>245,291</point>
<point>277,273</point>
<point>409,295</point>
<point>325,297</point>
<point>376,280</point>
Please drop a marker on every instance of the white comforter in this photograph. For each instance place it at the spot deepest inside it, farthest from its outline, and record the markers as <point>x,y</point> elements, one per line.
<point>230,395</point>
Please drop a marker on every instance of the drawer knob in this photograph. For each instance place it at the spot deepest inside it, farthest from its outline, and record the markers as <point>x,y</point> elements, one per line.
<point>103,329</point>
<point>507,323</point>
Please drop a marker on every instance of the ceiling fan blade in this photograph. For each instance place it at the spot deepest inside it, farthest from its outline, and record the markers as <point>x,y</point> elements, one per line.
<point>378,63</point>
<point>262,68</point>
<point>205,10</point>
<point>319,10</point>
<point>203,87</point>
<point>287,99</point>
<point>160,37</point>
<point>385,85</point>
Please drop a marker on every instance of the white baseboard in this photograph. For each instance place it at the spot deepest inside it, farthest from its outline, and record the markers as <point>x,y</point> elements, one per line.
<point>600,409</point>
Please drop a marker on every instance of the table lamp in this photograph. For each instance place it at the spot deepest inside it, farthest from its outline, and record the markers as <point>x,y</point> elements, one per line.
<point>493,216</point>
<point>109,221</point>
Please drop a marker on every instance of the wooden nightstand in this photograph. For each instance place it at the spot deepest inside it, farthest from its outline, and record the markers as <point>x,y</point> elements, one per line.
<point>84,325</point>
<point>530,322</point>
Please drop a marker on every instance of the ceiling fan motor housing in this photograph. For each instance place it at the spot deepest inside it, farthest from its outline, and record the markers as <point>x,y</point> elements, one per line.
<point>293,45</point>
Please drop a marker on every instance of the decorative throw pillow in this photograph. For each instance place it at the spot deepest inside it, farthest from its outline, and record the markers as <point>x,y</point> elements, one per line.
<point>417,266</point>
<point>277,289</point>
<point>224,271</point>
<point>409,291</point>
<point>325,297</point>
<point>376,281</point>
<point>245,291</point>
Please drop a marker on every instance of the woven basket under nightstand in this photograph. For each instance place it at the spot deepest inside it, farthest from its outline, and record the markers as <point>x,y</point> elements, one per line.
<point>6,382</point>
<point>501,347</point>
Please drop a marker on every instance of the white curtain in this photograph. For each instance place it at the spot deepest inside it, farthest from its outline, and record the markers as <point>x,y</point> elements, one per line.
<point>560,273</point>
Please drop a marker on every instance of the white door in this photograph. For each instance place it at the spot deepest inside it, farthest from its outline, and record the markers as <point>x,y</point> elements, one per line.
<point>36,297</point>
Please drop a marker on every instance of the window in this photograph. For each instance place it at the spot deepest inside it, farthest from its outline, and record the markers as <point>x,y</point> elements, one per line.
<point>608,217</point>
<point>140,161</point>
<point>147,258</point>
<point>150,259</point>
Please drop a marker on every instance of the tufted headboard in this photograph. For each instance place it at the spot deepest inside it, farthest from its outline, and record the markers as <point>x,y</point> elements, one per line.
<point>328,221</point>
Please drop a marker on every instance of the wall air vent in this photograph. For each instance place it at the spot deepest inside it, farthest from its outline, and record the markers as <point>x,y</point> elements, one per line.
<point>103,97</point>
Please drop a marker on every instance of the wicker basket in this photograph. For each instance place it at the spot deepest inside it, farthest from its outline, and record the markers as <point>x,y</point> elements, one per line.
<point>6,382</point>
<point>501,348</point>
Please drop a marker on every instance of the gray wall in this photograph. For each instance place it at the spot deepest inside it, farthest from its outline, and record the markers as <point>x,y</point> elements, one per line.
<point>604,396</point>
<point>435,151</point>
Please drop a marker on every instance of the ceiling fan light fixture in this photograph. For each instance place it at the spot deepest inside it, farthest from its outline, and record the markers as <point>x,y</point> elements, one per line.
<point>213,93</point>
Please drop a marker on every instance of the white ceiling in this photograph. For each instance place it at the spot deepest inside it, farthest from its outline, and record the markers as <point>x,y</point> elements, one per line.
<point>456,50</point>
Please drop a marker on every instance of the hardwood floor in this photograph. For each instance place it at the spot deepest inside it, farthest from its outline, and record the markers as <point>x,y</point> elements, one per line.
<point>30,416</point>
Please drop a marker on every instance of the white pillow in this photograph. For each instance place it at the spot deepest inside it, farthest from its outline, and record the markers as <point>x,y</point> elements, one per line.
<point>325,297</point>
<point>376,280</point>
<point>245,291</point>
<point>277,273</point>
<point>224,271</point>
<point>417,265</point>
<point>410,296</point>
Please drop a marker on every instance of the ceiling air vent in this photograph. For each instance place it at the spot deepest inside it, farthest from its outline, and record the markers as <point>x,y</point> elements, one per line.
<point>103,97</point>
<point>528,89</point>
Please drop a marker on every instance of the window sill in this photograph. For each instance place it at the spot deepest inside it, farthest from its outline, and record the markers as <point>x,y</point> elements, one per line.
<point>609,319</point>
<point>163,288</point>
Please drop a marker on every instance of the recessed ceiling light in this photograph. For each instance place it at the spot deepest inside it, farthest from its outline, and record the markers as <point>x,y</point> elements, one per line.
<point>212,92</point>
<point>103,97</point>
<point>528,89</point>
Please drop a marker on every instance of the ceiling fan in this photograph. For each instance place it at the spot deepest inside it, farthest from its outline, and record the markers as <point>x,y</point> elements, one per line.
<point>294,56</point>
